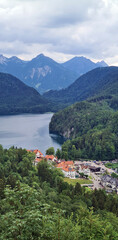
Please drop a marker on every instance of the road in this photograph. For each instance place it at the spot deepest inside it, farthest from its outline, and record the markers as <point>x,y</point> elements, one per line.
<point>96,181</point>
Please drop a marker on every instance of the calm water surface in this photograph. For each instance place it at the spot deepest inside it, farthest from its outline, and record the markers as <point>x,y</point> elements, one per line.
<point>28,131</point>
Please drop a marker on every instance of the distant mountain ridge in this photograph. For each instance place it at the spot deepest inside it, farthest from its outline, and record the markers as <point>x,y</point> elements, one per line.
<point>81,65</point>
<point>41,73</point>
<point>100,81</point>
<point>16,97</point>
<point>44,74</point>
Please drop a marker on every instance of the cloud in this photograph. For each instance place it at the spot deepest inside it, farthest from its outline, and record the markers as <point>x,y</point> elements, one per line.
<point>87,27</point>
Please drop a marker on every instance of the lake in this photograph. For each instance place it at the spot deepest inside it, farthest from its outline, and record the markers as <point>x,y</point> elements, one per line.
<point>30,131</point>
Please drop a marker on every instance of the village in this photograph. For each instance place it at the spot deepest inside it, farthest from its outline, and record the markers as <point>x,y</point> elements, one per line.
<point>97,175</point>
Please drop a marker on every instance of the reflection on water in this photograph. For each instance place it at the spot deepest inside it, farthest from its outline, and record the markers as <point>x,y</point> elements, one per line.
<point>57,138</point>
<point>28,131</point>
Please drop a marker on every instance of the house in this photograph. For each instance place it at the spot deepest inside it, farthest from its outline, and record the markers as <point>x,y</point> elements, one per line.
<point>38,156</point>
<point>68,171</point>
<point>67,168</point>
<point>51,158</point>
<point>84,169</point>
<point>38,153</point>
<point>65,163</point>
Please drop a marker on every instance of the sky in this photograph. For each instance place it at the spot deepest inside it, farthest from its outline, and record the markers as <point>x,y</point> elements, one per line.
<point>60,29</point>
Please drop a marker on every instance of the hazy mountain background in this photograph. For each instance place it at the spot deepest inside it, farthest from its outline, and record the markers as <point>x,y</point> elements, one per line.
<point>81,65</point>
<point>44,74</point>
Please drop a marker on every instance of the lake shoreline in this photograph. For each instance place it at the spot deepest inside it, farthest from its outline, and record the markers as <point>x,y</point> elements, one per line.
<point>30,131</point>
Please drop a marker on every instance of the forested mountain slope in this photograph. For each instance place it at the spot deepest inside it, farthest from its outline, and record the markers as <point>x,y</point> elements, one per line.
<point>100,81</point>
<point>91,125</point>
<point>16,97</point>
<point>92,128</point>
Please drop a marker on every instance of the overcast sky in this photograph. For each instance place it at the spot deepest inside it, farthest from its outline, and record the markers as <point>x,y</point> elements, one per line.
<point>60,29</point>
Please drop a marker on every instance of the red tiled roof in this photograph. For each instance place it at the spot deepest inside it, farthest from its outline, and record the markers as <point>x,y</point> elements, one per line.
<point>69,162</point>
<point>35,151</point>
<point>66,163</point>
<point>60,165</point>
<point>38,151</point>
<point>66,166</point>
<point>68,169</point>
<point>50,157</point>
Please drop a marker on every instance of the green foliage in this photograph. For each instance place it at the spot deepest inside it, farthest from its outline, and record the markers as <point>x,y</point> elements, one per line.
<point>50,151</point>
<point>25,217</point>
<point>93,125</point>
<point>101,84</point>
<point>112,165</point>
<point>36,203</point>
<point>93,129</point>
<point>114,175</point>
<point>75,181</point>
<point>58,153</point>
<point>12,101</point>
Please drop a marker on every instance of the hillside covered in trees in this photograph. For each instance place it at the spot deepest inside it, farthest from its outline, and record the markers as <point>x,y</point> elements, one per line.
<point>16,97</point>
<point>91,127</point>
<point>100,82</point>
<point>36,203</point>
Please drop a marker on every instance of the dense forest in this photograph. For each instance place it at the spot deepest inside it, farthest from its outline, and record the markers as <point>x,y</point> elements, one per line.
<point>36,203</point>
<point>100,82</point>
<point>91,127</point>
<point>16,97</point>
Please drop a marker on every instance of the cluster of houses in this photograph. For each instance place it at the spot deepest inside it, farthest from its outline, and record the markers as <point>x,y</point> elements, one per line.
<point>109,183</point>
<point>69,168</point>
<point>39,156</point>
<point>73,170</point>
<point>78,169</point>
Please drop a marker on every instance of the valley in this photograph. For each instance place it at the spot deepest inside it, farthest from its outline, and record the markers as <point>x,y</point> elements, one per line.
<point>89,124</point>
<point>54,191</point>
<point>59,120</point>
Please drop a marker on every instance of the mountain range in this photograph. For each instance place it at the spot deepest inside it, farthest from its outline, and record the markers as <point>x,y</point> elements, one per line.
<point>16,97</point>
<point>44,74</point>
<point>81,65</point>
<point>90,122</point>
